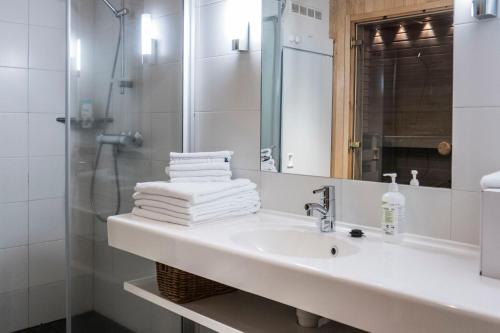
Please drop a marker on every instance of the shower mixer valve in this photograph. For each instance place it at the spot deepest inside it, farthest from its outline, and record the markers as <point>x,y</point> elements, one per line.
<point>121,140</point>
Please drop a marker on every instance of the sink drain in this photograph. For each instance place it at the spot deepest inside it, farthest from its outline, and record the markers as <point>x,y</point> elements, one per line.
<point>334,251</point>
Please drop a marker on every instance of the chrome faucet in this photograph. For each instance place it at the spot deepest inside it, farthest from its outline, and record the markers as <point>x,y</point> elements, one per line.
<point>326,209</point>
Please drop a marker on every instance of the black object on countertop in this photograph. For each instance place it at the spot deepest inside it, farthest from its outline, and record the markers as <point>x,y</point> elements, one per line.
<point>356,233</point>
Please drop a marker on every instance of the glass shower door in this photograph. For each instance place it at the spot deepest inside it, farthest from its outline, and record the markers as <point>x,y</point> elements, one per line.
<point>124,118</point>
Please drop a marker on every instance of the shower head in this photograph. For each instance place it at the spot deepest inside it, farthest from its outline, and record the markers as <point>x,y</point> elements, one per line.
<point>118,13</point>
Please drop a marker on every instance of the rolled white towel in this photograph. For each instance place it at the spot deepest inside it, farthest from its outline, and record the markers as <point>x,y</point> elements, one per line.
<point>213,154</point>
<point>205,179</point>
<point>162,217</point>
<point>196,193</point>
<point>491,181</point>
<point>199,173</point>
<point>200,166</point>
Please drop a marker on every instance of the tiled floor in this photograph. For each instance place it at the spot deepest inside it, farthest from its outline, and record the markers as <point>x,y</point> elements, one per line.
<point>90,322</point>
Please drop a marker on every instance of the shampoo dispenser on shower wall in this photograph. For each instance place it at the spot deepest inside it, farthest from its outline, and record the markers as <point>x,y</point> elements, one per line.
<point>393,211</point>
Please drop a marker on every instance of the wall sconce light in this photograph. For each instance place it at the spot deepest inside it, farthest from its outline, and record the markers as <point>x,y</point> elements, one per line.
<point>484,9</point>
<point>239,25</point>
<point>147,37</point>
<point>241,42</point>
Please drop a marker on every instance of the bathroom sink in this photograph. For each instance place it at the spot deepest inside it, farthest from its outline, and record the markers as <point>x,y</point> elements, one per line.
<point>295,243</point>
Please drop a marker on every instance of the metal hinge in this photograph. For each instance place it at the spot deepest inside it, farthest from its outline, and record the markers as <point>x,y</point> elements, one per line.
<point>356,42</point>
<point>354,145</point>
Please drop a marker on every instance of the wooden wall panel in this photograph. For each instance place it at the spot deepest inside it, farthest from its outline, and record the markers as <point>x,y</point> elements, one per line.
<point>344,14</point>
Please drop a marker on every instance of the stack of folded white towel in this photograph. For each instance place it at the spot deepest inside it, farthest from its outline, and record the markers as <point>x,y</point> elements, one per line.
<point>191,203</point>
<point>200,167</point>
<point>267,161</point>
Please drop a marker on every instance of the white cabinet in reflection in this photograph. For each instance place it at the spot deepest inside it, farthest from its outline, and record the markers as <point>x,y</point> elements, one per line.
<point>306,112</point>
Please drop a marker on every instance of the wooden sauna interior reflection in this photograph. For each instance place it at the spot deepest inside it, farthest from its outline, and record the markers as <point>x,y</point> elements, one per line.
<point>404,91</point>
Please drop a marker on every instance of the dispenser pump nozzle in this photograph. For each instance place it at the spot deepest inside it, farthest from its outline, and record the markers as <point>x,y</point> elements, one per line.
<point>414,181</point>
<point>393,186</point>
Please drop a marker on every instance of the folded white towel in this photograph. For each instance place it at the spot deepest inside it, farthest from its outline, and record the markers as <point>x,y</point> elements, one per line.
<point>212,206</point>
<point>200,166</point>
<point>206,179</point>
<point>199,173</point>
<point>203,215</point>
<point>196,192</point>
<point>207,218</point>
<point>197,161</point>
<point>214,154</point>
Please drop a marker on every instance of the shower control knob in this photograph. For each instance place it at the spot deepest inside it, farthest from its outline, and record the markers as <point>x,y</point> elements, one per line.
<point>137,139</point>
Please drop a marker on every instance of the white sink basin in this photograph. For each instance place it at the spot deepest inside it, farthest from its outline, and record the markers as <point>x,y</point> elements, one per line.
<point>421,285</point>
<point>295,243</point>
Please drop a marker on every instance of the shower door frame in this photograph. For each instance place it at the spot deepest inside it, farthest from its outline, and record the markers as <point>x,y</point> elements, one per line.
<point>188,75</point>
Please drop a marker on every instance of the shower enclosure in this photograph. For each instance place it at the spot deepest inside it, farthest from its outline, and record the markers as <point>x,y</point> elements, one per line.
<point>124,118</point>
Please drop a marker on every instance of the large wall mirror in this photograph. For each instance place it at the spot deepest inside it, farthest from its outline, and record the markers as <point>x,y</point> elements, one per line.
<point>358,88</point>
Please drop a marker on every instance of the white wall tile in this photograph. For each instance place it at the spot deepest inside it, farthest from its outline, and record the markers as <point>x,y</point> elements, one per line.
<point>214,32</point>
<point>81,294</point>
<point>13,311</point>
<point>166,135</point>
<point>165,88</point>
<point>46,303</point>
<point>13,179</point>
<point>13,134</point>
<point>14,11</point>
<point>158,170</point>
<point>46,220</point>
<point>361,202</point>
<point>14,272</point>
<point>46,91</point>
<point>47,48</point>
<point>169,42</point>
<point>475,141</point>
<point>46,135</point>
<point>428,211</point>
<point>228,83</point>
<point>14,45</point>
<point>161,8</point>
<point>46,177</point>
<point>289,193</point>
<point>475,76</point>
<point>236,131</point>
<point>13,90</point>
<point>13,224</point>
<point>465,208</point>
<point>46,263</point>
<point>50,13</point>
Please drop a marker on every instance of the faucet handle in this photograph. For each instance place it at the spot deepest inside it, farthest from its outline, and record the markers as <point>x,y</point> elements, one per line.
<point>320,190</point>
<point>324,189</point>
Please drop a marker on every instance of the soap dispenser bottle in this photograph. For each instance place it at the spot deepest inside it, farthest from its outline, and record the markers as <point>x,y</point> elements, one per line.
<point>393,211</point>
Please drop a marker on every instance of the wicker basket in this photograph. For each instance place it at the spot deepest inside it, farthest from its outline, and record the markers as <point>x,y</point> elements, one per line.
<point>183,287</point>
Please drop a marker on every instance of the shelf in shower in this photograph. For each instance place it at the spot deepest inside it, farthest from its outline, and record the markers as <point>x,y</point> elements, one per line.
<point>80,124</point>
<point>414,141</point>
<point>235,312</point>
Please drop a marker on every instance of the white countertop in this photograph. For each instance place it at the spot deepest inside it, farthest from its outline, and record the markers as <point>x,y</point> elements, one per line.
<point>422,285</point>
